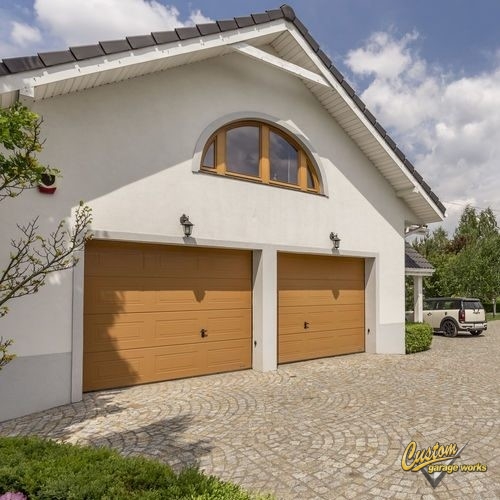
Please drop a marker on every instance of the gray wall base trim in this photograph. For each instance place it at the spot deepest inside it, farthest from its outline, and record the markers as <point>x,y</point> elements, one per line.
<point>34,383</point>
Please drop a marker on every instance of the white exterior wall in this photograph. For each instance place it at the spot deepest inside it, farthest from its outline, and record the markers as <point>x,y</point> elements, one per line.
<point>127,150</point>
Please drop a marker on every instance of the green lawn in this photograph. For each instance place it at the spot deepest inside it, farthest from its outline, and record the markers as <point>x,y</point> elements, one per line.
<point>45,470</point>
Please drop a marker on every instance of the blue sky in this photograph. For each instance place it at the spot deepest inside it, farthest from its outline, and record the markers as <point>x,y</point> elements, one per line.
<point>429,70</point>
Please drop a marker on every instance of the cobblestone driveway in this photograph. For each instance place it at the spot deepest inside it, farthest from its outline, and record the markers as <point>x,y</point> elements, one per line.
<point>331,428</point>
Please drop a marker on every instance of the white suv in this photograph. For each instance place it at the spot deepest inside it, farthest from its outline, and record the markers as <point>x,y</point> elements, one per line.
<point>453,315</point>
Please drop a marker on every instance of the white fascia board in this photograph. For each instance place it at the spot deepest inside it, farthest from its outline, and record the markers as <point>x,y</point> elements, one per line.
<point>410,271</point>
<point>294,69</point>
<point>354,108</point>
<point>29,79</point>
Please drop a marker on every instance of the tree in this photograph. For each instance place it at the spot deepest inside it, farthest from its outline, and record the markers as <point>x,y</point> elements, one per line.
<point>32,256</point>
<point>469,263</point>
<point>435,248</point>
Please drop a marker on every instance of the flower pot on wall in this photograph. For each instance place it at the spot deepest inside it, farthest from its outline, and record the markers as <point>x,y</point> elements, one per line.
<point>47,184</point>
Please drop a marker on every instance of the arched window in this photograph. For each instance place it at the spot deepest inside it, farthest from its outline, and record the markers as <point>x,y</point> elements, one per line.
<point>259,152</point>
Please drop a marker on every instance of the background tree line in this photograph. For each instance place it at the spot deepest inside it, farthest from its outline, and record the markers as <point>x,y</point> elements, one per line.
<point>467,263</point>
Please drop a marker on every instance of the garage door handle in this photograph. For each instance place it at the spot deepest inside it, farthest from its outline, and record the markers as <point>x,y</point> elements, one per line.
<point>203,333</point>
<point>306,325</point>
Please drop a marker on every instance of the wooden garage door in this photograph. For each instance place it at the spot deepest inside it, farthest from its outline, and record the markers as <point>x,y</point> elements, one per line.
<point>146,305</point>
<point>321,304</point>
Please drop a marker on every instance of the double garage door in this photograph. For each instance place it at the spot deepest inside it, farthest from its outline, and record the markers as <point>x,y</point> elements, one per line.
<point>156,312</point>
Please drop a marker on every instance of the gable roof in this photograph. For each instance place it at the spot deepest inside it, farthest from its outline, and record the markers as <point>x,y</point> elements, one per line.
<point>414,261</point>
<point>53,73</point>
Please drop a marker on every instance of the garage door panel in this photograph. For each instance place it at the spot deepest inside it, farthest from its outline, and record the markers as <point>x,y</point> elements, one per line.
<point>324,284</point>
<point>229,356</point>
<point>177,361</point>
<point>103,370</point>
<point>174,328</point>
<point>145,305</point>
<point>305,297</point>
<point>103,295</point>
<point>335,343</point>
<point>291,347</point>
<point>111,260</point>
<point>328,294</point>
<point>133,294</point>
<point>236,264</point>
<point>227,324</point>
<point>107,332</point>
<point>313,267</point>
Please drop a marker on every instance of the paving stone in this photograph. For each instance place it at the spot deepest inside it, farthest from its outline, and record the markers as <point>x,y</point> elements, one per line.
<point>329,428</point>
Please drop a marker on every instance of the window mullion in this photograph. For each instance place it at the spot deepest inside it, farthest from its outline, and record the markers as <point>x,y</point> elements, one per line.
<point>220,156</point>
<point>264,154</point>
<point>302,177</point>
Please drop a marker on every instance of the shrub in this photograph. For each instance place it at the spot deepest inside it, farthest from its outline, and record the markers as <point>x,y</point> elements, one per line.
<point>44,470</point>
<point>418,337</point>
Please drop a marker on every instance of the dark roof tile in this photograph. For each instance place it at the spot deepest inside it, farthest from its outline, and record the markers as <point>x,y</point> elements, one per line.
<point>188,32</point>
<point>312,42</point>
<point>87,51</point>
<point>261,17</point>
<point>140,41</point>
<point>58,57</point>
<point>208,28</point>
<point>361,105</point>
<point>426,186</point>
<point>288,12</point>
<point>227,25</point>
<point>348,88</point>
<point>389,141</point>
<point>381,130</point>
<point>399,154</point>
<point>417,176</point>
<point>245,21</point>
<point>337,74</point>
<point>409,165</point>
<point>413,260</point>
<point>370,116</point>
<point>165,37</point>
<point>275,14</point>
<point>19,64</point>
<point>114,46</point>
<point>3,69</point>
<point>324,58</point>
<point>298,24</point>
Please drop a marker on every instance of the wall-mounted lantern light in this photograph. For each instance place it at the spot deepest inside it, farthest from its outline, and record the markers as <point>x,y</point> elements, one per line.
<point>187,225</point>
<point>336,240</point>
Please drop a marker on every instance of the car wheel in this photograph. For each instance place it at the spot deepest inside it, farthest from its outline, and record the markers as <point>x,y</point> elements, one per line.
<point>449,328</point>
<point>476,332</point>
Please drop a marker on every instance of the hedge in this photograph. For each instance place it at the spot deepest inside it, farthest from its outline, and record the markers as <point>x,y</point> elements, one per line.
<point>418,337</point>
<point>40,469</point>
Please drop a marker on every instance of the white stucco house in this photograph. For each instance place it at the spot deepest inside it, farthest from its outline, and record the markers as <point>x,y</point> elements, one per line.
<point>246,127</point>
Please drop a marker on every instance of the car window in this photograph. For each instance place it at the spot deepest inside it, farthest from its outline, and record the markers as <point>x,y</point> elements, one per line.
<point>429,305</point>
<point>472,304</point>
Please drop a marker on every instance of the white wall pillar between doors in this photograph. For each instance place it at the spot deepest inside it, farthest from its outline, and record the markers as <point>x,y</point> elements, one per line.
<point>265,314</point>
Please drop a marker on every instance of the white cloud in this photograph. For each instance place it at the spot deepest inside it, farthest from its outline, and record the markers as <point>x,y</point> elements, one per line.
<point>197,17</point>
<point>87,21</point>
<point>448,125</point>
<point>57,24</point>
<point>23,34</point>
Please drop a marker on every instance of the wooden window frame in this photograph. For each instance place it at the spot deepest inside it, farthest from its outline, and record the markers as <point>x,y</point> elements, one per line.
<point>264,177</point>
